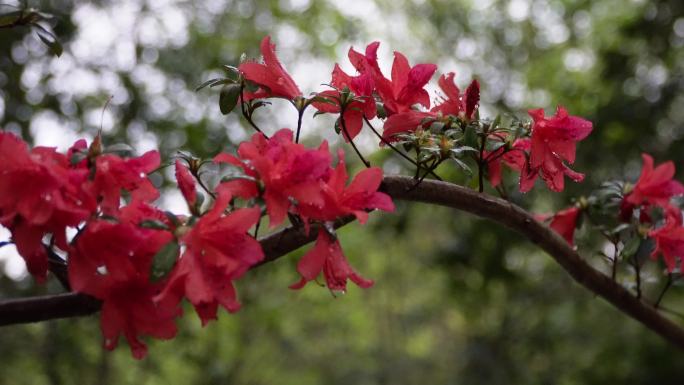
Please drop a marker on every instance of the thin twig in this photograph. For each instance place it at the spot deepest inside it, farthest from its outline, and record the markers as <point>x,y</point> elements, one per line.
<point>396,150</point>
<point>247,116</point>
<point>351,141</point>
<point>662,293</point>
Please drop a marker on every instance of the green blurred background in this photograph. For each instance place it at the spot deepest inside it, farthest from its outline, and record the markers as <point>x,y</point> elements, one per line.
<point>456,299</point>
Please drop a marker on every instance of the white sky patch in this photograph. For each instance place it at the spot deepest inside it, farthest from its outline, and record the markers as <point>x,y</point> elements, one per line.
<point>12,263</point>
<point>518,10</point>
<point>172,200</point>
<point>578,60</point>
<point>48,130</point>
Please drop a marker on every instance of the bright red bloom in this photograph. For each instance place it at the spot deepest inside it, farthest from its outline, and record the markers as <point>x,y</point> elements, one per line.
<point>39,194</point>
<point>367,62</point>
<point>186,183</point>
<point>289,172</point>
<point>339,199</point>
<point>564,223</point>
<point>554,140</point>
<point>406,122</point>
<point>454,103</point>
<point>514,158</point>
<point>327,256</point>
<point>669,239</point>
<point>407,85</point>
<point>655,185</point>
<point>112,262</point>
<point>113,174</point>
<point>354,111</point>
<point>273,80</point>
<point>218,250</point>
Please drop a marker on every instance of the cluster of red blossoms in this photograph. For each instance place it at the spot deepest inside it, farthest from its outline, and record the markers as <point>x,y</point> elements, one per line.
<point>648,204</point>
<point>142,262</point>
<point>654,191</point>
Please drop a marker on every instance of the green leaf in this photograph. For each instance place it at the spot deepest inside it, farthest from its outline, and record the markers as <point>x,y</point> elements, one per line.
<point>495,124</point>
<point>77,157</point>
<point>164,261</point>
<point>228,98</point>
<point>229,178</point>
<point>207,83</point>
<point>631,247</point>
<point>154,224</point>
<point>173,218</point>
<point>493,146</point>
<point>49,40</point>
<point>463,166</point>
<point>470,137</point>
<point>233,72</point>
<point>121,149</point>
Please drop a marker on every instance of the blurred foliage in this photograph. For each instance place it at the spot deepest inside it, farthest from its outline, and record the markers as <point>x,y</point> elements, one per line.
<point>456,300</point>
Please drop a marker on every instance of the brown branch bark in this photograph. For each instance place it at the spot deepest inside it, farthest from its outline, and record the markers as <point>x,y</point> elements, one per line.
<point>402,188</point>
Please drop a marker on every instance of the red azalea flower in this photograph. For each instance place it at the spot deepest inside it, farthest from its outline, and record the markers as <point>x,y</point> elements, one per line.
<point>514,158</point>
<point>112,174</point>
<point>186,183</point>
<point>39,194</point>
<point>655,185</point>
<point>112,262</point>
<point>554,140</point>
<point>669,239</point>
<point>218,250</point>
<point>289,172</point>
<point>406,86</point>
<point>356,110</point>
<point>339,199</point>
<point>274,81</point>
<point>366,63</point>
<point>454,103</point>
<point>327,256</point>
<point>564,223</point>
<point>405,122</point>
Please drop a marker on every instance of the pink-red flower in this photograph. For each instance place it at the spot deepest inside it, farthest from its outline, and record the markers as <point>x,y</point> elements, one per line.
<point>218,250</point>
<point>669,238</point>
<point>273,80</point>
<point>39,194</point>
<point>454,103</point>
<point>113,174</point>
<point>514,158</point>
<point>406,86</point>
<point>363,104</point>
<point>564,223</point>
<point>289,173</point>
<point>326,256</point>
<point>360,196</point>
<point>655,185</point>
<point>554,141</point>
<point>112,261</point>
<point>339,200</point>
<point>186,183</point>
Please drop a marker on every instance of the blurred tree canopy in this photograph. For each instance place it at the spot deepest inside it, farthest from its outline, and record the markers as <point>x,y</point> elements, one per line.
<point>456,300</point>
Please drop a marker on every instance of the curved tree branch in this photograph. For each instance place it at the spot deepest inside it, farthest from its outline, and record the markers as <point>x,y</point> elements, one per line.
<point>404,188</point>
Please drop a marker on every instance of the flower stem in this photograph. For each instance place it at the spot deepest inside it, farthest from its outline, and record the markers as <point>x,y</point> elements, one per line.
<point>662,293</point>
<point>346,134</point>
<point>299,122</point>
<point>390,145</point>
<point>480,164</point>
<point>248,116</point>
